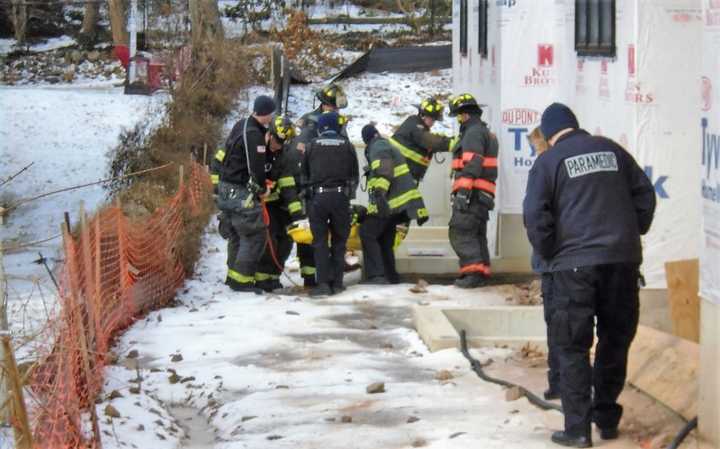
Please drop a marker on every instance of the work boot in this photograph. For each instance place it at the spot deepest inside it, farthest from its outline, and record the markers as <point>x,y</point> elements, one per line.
<point>240,287</point>
<point>337,288</point>
<point>611,433</point>
<point>470,281</point>
<point>564,439</point>
<point>268,285</point>
<point>321,291</point>
<point>375,280</point>
<point>309,281</point>
<point>551,394</point>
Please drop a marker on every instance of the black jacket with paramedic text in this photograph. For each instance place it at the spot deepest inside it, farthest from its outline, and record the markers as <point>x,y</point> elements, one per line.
<point>587,203</point>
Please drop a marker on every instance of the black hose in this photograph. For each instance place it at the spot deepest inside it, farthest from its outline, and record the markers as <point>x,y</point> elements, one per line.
<point>477,367</point>
<point>677,441</point>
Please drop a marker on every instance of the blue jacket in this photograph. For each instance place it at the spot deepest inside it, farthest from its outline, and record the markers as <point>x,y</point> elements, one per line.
<point>587,203</point>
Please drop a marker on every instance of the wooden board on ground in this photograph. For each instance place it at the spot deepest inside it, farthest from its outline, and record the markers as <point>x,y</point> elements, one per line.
<point>666,368</point>
<point>683,283</point>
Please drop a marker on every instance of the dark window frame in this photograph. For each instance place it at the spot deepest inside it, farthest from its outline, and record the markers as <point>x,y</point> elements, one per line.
<point>483,28</point>
<point>464,27</point>
<point>590,14</point>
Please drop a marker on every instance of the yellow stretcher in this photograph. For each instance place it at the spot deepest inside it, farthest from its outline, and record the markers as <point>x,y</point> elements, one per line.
<point>304,236</point>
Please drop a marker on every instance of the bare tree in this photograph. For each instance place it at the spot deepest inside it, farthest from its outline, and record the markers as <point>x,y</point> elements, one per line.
<point>118,14</point>
<point>206,25</point>
<point>90,18</point>
<point>19,20</point>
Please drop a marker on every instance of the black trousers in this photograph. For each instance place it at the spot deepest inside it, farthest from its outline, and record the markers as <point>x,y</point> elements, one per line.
<point>468,236</point>
<point>547,293</point>
<point>245,234</point>
<point>377,236</point>
<point>329,213</point>
<point>281,244</point>
<point>608,294</point>
<point>307,260</point>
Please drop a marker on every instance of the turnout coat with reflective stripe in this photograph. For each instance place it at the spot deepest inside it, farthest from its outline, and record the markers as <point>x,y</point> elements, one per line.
<point>475,163</point>
<point>389,172</point>
<point>415,141</point>
<point>284,176</point>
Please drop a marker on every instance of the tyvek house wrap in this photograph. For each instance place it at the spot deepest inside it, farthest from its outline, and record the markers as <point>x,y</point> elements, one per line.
<point>645,98</point>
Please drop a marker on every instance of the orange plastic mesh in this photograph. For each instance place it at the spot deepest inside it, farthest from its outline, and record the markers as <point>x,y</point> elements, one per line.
<point>115,271</point>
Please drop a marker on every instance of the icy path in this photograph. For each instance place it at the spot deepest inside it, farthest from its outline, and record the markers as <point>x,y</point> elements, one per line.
<point>291,372</point>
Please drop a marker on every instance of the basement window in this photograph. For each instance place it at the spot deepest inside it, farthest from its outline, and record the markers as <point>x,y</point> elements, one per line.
<point>463,27</point>
<point>483,28</point>
<point>595,27</point>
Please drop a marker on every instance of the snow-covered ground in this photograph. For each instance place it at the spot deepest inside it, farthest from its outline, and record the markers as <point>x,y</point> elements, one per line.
<point>66,133</point>
<point>227,371</point>
<point>54,43</point>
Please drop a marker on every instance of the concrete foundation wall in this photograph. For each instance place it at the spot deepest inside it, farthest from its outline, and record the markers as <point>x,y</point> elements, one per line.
<point>709,406</point>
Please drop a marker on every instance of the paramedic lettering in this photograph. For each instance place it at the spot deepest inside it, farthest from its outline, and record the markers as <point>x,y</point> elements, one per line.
<point>586,164</point>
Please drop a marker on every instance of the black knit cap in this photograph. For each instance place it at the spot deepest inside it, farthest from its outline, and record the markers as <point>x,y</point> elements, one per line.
<point>555,118</point>
<point>368,132</point>
<point>264,105</point>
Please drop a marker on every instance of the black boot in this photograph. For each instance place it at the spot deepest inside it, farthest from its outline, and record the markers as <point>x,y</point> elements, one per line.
<point>268,285</point>
<point>551,394</point>
<point>321,291</point>
<point>241,287</point>
<point>564,439</point>
<point>611,433</point>
<point>337,288</point>
<point>472,280</point>
<point>375,280</point>
<point>309,281</point>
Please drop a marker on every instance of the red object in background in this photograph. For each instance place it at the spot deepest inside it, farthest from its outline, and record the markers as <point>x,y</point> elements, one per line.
<point>155,73</point>
<point>122,52</point>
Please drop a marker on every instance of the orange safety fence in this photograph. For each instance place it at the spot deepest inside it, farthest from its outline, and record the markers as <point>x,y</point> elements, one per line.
<point>115,271</point>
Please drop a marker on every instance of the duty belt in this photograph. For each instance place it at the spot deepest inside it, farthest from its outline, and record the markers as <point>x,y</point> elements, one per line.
<point>322,189</point>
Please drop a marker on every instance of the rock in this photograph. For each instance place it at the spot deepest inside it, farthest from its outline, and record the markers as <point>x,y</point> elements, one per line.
<point>176,358</point>
<point>444,375</point>
<point>93,56</point>
<point>457,434</point>
<point>187,379</point>
<point>377,387</point>
<point>133,354</point>
<point>346,419</point>
<point>111,358</point>
<point>513,394</point>
<point>412,419</point>
<point>247,418</point>
<point>53,79</point>
<point>111,411</point>
<point>174,378</point>
<point>419,442</point>
<point>274,437</point>
<point>134,390</point>
<point>114,395</point>
<point>76,56</point>
<point>420,287</point>
<point>292,312</point>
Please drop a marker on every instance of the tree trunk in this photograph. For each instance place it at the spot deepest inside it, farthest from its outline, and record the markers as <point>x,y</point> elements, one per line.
<point>118,21</point>
<point>206,25</point>
<point>90,18</point>
<point>19,20</point>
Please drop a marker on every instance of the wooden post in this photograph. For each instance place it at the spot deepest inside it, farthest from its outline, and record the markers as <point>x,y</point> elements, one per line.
<point>4,396</point>
<point>89,285</point>
<point>683,279</point>
<point>205,161</point>
<point>181,175</point>
<point>14,403</point>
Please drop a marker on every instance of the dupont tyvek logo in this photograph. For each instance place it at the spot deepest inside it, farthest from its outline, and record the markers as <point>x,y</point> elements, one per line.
<point>507,3</point>
<point>658,183</point>
<point>520,116</point>
<point>706,93</point>
<point>545,55</point>
<point>711,163</point>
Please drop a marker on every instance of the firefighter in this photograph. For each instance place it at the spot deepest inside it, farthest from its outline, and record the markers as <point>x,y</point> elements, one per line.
<point>586,206</point>
<point>393,199</point>
<point>240,170</point>
<point>474,173</point>
<point>415,141</point>
<point>541,266</point>
<point>283,203</point>
<point>330,169</point>
<point>332,98</point>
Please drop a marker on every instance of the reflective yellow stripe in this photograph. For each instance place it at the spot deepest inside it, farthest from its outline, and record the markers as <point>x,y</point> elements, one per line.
<point>453,142</point>
<point>405,198</point>
<point>375,164</point>
<point>379,183</point>
<point>238,277</point>
<point>409,153</point>
<point>307,271</point>
<point>295,206</point>
<point>273,196</point>
<point>220,154</point>
<point>401,170</point>
<point>263,276</point>
<point>215,179</point>
<point>287,181</point>
<point>423,213</point>
<point>372,209</point>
